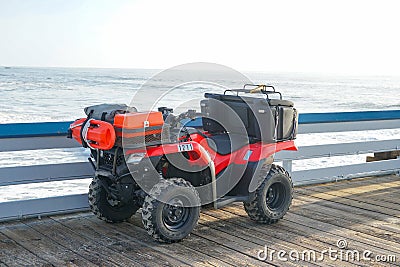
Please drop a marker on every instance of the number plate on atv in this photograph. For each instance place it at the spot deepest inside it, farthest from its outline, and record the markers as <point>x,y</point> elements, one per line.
<point>185,147</point>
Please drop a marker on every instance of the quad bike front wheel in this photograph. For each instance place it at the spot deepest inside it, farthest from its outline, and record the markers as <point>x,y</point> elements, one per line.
<point>171,210</point>
<point>105,207</point>
<point>273,197</point>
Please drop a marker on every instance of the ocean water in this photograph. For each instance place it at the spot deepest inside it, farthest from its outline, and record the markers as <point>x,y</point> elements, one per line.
<point>60,94</point>
<point>54,94</point>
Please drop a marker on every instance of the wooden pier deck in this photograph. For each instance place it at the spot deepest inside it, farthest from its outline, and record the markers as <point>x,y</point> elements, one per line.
<point>363,212</point>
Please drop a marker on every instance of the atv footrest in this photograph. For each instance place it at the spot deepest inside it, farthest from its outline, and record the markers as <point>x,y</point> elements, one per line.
<point>228,200</point>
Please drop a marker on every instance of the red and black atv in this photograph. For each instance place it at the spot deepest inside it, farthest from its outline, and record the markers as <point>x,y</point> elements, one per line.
<point>170,166</point>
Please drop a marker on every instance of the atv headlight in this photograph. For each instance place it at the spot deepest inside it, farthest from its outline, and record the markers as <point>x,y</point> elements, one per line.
<point>135,158</point>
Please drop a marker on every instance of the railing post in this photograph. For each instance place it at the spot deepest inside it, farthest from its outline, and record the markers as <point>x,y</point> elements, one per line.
<point>287,165</point>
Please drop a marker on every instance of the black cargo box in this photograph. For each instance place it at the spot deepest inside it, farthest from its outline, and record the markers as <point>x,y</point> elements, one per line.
<point>267,120</point>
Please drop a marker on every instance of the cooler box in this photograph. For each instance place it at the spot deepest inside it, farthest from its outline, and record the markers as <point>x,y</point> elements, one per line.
<point>136,129</point>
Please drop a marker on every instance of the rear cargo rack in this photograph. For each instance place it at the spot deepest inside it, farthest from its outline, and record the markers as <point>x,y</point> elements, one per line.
<point>257,88</point>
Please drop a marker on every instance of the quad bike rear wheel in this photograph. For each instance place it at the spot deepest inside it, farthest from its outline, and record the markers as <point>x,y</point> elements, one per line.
<point>105,207</point>
<point>171,210</point>
<point>273,197</point>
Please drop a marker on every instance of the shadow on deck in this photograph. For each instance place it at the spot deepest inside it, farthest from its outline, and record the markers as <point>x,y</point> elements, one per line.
<point>363,212</point>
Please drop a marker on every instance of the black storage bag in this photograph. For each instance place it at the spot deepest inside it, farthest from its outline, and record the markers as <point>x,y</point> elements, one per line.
<point>267,120</point>
<point>247,108</point>
<point>107,112</point>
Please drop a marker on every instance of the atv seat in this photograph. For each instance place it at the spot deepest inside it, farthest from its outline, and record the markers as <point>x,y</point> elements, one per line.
<point>225,144</point>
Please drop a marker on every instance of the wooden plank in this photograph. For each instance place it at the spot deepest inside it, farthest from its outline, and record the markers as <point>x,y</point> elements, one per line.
<point>317,240</point>
<point>215,246</point>
<point>131,233</point>
<point>71,228</point>
<point>363,241</point>
<point>363,224</point>
<point>86,247</point>
<point>384,155</point>
<point>365,217</point>
<point>331,222</point>
<point>353,208</point>
<point>358,194</point>
<point>285,230</point>
<point>262,235</point>
<point>125,252</point>
<point>43,247</point>
<point>12,254</point>
<point>363,186</point>
<point>209,250</point>
<point>325,232</point>
<point>383,196</point>
<point>359,204</point>
<point>360,208</point>
<point>213,249</point>
<point>376,180</point>
<point>378,193</point>
<point>320,215</point>
<point>242,252</point>
<point>393,223</point>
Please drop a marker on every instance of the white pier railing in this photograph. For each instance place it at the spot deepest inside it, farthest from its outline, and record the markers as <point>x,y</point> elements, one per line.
<point>344,122</point>
<point>36,136</point>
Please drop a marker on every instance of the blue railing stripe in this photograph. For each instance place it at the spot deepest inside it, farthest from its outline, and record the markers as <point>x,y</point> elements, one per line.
<point>309,118</point>
<point>60,128</point>
<point>34,129</point>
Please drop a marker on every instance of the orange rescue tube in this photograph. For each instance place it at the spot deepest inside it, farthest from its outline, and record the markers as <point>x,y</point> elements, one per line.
<point>99,135</point>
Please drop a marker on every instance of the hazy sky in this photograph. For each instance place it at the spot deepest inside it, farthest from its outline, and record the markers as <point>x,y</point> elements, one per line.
<point>350,37</point>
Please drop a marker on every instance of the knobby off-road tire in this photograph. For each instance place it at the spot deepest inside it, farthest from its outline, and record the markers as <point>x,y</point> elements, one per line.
<point>107,209</point>
<point>171,210</point>
<point>273,197</point>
